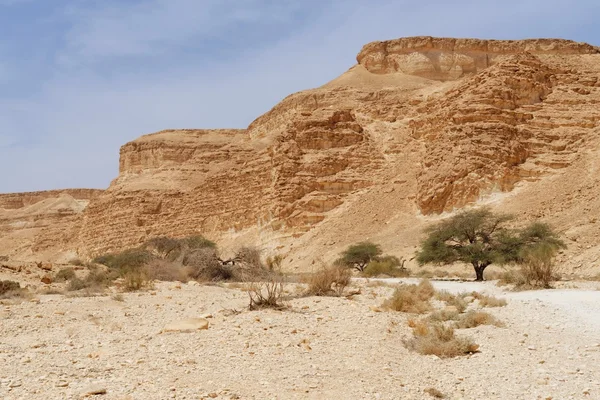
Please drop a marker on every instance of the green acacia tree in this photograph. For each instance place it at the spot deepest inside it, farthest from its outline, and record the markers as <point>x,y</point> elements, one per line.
<point>481,238</point>
<point>359,255</point>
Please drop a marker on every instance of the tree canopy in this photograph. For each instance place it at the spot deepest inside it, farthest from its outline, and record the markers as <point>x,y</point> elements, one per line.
<point>359,255</point>
<point>481,238</point>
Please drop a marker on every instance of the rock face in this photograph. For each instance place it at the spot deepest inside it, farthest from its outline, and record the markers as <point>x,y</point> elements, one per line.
<point>420,126</point>
<point>450,59</point>
<point>42,225</point>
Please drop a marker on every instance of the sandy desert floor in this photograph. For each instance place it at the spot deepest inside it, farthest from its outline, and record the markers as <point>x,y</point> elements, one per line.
<point>58,347</point>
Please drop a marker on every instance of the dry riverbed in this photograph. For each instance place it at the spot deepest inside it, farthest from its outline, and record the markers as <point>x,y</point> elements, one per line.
<point>58,347</point>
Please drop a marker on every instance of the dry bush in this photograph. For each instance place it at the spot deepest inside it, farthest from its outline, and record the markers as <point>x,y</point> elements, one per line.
<point>12,289</point>
<point>414,299</point>
<point>65,274</point>
<point>443,316</point>
<point>437,339</point>
<point>433,392</point>
<point>165,270</point>
<point>266,294</point>
<point>204,264</point>
<point>275,262</point>
<point>9,286</point>
<point>76,261</point>
<point>96,281</point>
<point>117,297</point>
<point>328,281</point>
<point>452,300</point>
<point>135,279</point>
<point>472,319</point>
<point>489,301</point>
<point>126,260</point>
<point>249,255</point>
<point>425,289</point>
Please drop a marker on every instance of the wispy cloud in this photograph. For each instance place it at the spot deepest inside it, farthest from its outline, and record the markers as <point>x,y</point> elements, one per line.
<point>107,72</point>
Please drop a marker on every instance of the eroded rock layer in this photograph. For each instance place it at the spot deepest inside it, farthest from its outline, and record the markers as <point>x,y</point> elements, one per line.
<point>420,126</point>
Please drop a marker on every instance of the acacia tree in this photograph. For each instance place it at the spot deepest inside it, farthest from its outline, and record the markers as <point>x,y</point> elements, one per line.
<point>359,255</point>
<point>481,238</point>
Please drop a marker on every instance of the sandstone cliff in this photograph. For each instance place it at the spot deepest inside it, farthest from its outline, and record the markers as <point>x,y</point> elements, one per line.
<point>42,225</point>
<point>420,126</point>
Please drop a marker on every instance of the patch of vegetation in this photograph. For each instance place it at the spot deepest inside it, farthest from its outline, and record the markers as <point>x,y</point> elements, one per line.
<point>10,289</point>
<point>433,392</point>
<point>472,319</point>
<point>414,299</point>
<point>443,316</point>
<point>328,281</point>
<point>433,338</point>
<point>489,301</point>
<point>267,293</point>
<point>481,238</point>
<point>65,274</point>
<point>452,300</point>
<point>387,265</point>
<point>359,255</point>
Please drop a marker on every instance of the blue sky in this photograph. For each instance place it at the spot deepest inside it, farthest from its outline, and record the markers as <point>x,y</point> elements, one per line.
<point>79,78</point>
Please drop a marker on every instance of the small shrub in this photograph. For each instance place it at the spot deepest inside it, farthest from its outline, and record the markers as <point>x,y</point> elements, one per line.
<point>117,297</point>
<point>266,294</point>
<point>134,280</point>
<point>9,286</point>
<point>433,392</point>
<point>96,281</point>
<point>472,319</point>
<point>329,281</point>
<point>452,300</point>
<point>204,265</point>
<point>443,316</point>
<point>414,299</point>
<point>437,339</point>
<point>127,260</point>
<point>65,274</point>
<point>488,301</point>
<point>538,269</point>
<point>76,261</point>
<point>274,262</point>
<point>76,284</point>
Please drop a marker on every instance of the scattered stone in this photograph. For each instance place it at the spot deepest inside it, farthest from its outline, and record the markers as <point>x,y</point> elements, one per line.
<point>94,391</point>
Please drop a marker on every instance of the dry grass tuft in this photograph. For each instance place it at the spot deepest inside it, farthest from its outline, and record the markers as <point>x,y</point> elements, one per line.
<point>267,293</point>
<point>328,281</point>
<point>443,316</point>
<point>489,301</point>
<point>439,340</point>
<point>12,290</point>
<point>414,299</point>
<point>433,392</point>
<point>476,318</point>
<point>452,300</point>
<point>135,279</point>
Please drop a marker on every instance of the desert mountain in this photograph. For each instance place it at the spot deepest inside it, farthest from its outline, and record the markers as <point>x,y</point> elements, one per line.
<point>418,128</point>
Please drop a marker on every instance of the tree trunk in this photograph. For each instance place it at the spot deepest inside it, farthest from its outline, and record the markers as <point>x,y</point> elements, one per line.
<point>479,271</point>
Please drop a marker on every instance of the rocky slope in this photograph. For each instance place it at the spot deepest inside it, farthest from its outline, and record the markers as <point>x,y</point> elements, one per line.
<point>420,126</point>
<point>41,225</point>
